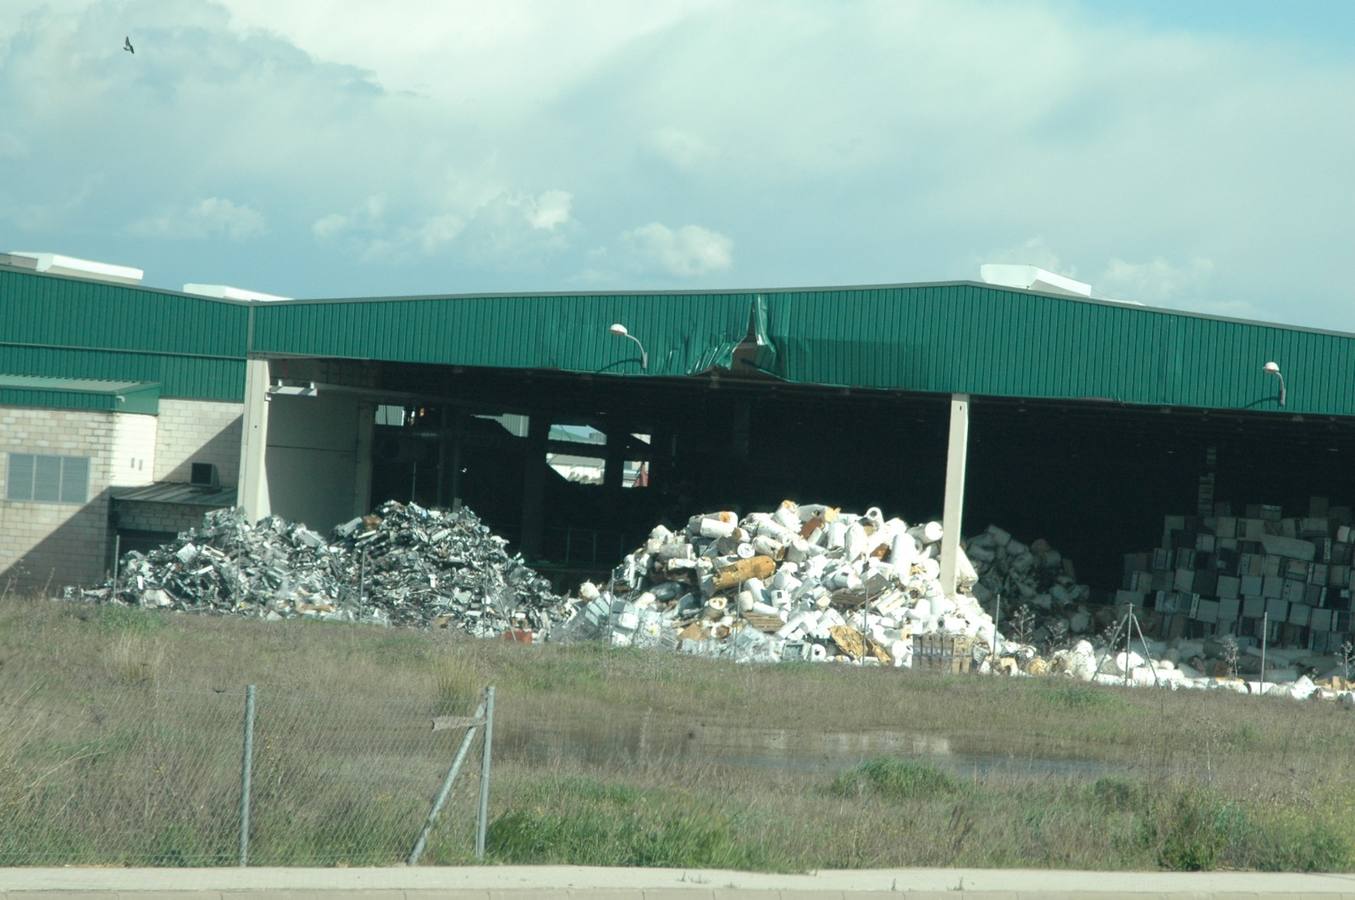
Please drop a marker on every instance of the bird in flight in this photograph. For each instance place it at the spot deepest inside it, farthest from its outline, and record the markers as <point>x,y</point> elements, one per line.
<point>127,45</point>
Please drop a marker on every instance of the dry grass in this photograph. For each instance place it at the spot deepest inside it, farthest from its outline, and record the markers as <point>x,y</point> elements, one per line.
<point>123,735</point>
<point>135,660</point>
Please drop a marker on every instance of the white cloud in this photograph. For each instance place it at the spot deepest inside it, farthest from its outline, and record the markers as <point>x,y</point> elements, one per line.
<point>465,50</point>
<point>11,147</point>
<point>367,217</point>
<point>208,218</point>
<point>1033,251</point>
<point>550,210</point>
<point>482,228</point>
<point>1155,281</point>
<point>438,231</point>
<point>329,226</point>
<point>51,210</point>
<point>680,149</point>
<point>686,252</point>
<point>888,142</point>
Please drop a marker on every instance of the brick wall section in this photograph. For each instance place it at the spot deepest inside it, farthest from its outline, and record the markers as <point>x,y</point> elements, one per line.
<point>198,431</point>
<point>55,543</point>
<point>167,517</point>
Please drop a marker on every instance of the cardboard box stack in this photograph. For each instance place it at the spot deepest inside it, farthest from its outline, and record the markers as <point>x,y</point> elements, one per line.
<point>1228,574</point>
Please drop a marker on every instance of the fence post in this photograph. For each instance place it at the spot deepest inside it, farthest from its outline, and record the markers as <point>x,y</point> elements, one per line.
<point>246,770</point>
<point>117,555</point>
<point>482,819</point>
<point>446,788</point>
<point>1265,631</point>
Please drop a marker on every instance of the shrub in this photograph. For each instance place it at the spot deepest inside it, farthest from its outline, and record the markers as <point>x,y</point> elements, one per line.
<point>601,829</point>
<point>1075,695</point>
<point>1116,794</point>
<point>1284,844</point>
<point>1199,829</point>
<point>894,779</point>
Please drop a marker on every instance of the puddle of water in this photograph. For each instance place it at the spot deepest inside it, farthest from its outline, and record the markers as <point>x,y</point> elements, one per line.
<point>823,752</point>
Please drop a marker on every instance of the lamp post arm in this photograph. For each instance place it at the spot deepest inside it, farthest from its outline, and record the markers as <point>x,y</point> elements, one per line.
<point>644,355</point>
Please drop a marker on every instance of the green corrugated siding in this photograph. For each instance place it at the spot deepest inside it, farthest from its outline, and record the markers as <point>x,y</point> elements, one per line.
<point>189,377</point>
<point>974,339</point>
<point>682,333</point>
<point>71,328</point>
<point>68,312</point>
<point>145,399</point>
<point>133,399</point>
<point>960,337</point>
<point>58,399</point>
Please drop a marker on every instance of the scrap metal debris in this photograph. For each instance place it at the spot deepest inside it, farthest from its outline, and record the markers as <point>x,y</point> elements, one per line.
<point>814,583</point>
<point>801,583</point>
<point>1042,602</point>
<point>401,565</point>
<point>808,583</point>
<point>1190,602</point>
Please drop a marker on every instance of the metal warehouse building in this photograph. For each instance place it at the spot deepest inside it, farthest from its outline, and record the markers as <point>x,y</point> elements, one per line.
<point>129,411</point>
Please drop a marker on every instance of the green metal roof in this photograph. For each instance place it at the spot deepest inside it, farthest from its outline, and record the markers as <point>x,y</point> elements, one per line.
<point>70,327</point>
<point>960,337</point>
<point>176,493</point>
<point>79,393</point>
<point>954,337</point>
<point>979,339</point>
<point>683,333</point>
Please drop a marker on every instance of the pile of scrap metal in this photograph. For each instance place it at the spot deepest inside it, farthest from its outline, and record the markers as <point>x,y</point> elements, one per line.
<point>1060,627</point>
<point>814,583</point>
<point>402,565</point>
<point>800,583</point>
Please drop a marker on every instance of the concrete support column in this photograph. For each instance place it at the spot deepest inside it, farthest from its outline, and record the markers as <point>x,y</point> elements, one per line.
<point>362,463</point>
<point>251,492</point>
<point>957,453</point>
<point>534,485</point>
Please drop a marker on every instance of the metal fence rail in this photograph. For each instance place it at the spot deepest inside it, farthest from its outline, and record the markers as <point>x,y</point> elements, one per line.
<point>163,777</point>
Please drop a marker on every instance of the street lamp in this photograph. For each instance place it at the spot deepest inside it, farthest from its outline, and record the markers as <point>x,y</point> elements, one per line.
<point>620,331</point>
<point>1273,368</point>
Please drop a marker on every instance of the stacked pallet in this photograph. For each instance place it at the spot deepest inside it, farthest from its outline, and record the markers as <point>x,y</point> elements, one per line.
<point>1263,573</point>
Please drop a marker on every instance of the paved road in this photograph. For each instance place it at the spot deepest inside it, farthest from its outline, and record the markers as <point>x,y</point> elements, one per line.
<point>510,882</point>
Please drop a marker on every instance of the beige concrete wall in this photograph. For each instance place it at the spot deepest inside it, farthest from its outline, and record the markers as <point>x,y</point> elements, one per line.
<point>624,883</point>
<point>56,543</point>
<point>197,431</point>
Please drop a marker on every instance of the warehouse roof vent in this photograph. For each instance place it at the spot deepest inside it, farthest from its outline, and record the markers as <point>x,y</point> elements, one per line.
<point>1033,278</point>
<point>226,292</point>
<point>56,264</point>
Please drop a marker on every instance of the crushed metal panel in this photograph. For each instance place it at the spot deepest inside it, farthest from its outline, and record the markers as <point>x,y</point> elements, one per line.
<point>684,334</point>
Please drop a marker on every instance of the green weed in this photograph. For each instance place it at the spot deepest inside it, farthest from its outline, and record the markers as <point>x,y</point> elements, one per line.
<point>596,833</point>
<point>1077,696</point>
<point>893,780</point>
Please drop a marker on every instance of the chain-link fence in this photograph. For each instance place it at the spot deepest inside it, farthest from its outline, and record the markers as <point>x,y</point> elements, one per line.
<point>164,777</point>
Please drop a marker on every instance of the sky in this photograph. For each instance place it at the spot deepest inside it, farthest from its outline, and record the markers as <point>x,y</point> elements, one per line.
<point>1196,155</point>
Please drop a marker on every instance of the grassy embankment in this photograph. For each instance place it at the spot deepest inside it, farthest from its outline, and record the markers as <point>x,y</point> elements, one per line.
<point>120,743</point>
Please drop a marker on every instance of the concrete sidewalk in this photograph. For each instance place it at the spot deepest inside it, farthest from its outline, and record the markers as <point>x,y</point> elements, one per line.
<point>505,882</point>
